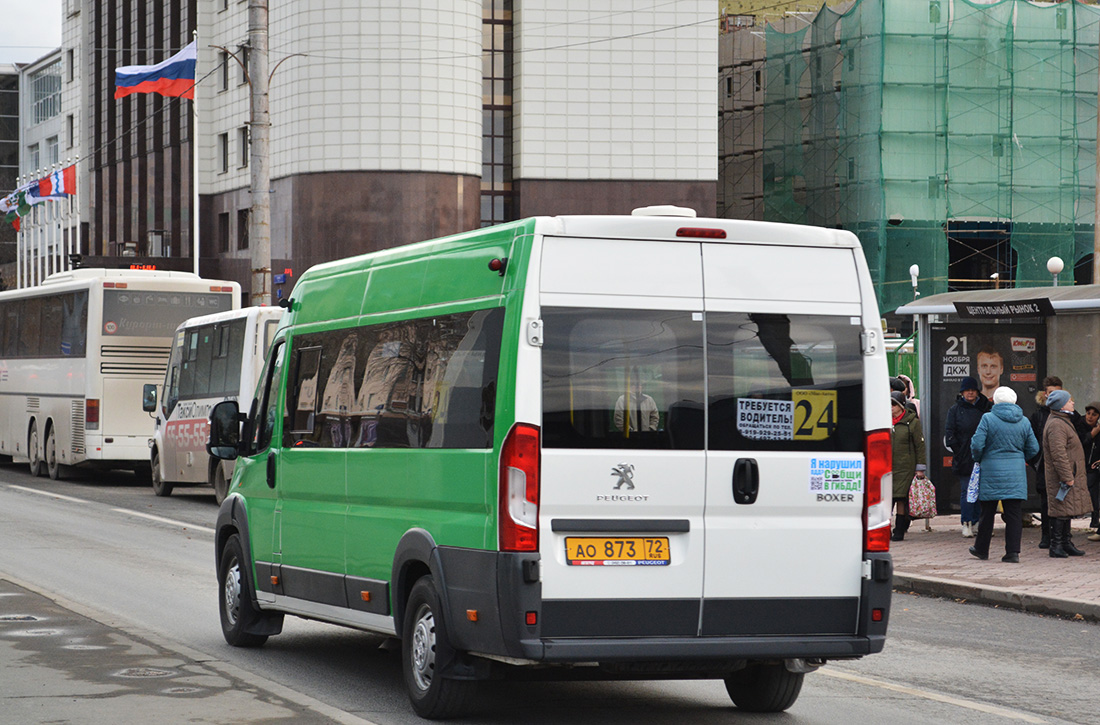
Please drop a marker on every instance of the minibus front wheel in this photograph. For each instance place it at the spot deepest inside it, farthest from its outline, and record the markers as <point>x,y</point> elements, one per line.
<point>425,647</point>
<point>236,605</point>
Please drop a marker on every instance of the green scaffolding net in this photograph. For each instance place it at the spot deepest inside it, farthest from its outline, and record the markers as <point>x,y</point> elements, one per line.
<point>953,135</point>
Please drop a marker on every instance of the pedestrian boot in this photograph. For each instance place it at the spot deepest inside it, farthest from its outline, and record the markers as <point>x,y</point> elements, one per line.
<point>1067,540</point>
<point>980,555</point>
<point>900,527</point>
<point>1044,532</point>
<point>1013,558</point>
<point>1056,550</point>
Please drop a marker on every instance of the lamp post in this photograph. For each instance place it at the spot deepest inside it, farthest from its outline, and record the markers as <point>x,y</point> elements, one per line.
<point>914,270</point>
<point>1055,265</point>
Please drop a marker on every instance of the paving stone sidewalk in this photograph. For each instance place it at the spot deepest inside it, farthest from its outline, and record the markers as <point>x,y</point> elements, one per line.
<point>938,563</point>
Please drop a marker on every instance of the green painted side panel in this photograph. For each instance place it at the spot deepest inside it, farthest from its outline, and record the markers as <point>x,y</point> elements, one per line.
<point>313,507</point>
<point>432,272</point>
<point>391,491</point>
<point>331,297</point>
<point>250,479</point>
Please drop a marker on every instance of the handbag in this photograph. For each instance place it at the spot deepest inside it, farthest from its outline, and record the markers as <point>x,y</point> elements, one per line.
<point>972,486</point>
<point>922,499</point>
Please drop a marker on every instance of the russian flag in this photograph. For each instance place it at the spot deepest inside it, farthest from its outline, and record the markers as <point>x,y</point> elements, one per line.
<point>58,184</point>
<point>172,77</point>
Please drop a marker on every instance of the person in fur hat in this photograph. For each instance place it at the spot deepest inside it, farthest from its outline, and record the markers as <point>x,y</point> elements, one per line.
<point>1065,473</point>
<point>1002,445</point>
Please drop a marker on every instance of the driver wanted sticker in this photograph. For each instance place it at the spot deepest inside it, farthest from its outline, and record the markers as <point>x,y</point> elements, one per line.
<point>836,479</point>
<point>765,420</point>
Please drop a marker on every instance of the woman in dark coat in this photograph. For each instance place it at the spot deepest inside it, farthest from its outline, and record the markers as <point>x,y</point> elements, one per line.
<point>1064,461</point>
<point>962,421</point>
<point>1002,445</point>
<point>908,450</point>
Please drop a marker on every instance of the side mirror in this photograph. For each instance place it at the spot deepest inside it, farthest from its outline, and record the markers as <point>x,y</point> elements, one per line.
<point>225,431</point>
<point>149,398</point>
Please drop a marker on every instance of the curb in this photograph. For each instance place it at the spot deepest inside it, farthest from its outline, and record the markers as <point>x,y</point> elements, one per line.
<point>999,596</point>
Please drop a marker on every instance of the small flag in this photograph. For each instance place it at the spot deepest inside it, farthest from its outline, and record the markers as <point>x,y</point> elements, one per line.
<point>59,184</point>
<point>172,77</point>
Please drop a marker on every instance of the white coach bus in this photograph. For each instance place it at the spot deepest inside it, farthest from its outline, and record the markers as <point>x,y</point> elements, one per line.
<point>77,350</point>
<point>214,358</point>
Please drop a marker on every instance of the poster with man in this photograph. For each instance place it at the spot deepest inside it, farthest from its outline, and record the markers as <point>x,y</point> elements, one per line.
<point>1013,355</point>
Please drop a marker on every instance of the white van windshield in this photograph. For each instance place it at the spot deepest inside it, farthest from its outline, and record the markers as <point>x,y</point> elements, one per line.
<point>635,379</point>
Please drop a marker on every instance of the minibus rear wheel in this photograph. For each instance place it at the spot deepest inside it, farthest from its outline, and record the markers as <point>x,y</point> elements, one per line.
<point>424,644</point>
<point>764,687</point>
<point>236,605</point>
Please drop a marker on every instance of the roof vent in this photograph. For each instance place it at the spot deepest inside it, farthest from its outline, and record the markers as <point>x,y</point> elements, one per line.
<point>663,210</point>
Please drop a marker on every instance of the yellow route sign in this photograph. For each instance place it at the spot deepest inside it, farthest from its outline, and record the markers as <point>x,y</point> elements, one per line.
<point>814,414</point>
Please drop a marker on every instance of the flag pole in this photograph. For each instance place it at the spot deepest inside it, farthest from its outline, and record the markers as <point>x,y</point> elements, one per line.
<point>195,160</point>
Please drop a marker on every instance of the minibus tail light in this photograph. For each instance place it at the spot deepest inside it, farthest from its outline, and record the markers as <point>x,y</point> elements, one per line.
<point>519,489</point>
<point>878,492</point>
<point>91,414</point>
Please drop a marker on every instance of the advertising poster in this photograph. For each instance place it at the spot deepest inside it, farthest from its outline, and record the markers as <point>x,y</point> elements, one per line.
<point>1013,355</point>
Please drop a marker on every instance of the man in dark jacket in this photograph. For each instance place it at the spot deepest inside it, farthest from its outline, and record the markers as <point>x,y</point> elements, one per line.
<point>962,421</point>
<point>1090,441</point>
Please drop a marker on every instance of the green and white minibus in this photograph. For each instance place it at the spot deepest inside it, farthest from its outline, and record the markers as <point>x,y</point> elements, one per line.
<point>652,445</point>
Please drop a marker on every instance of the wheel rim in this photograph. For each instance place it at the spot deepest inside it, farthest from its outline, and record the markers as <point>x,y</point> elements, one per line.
<point>232,593</point>
<point>35,460</point>
<point>155,474</point>
<point>423,647</point>
<point>51,451</point>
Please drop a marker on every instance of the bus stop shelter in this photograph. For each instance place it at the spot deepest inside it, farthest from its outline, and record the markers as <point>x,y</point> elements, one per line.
<point>1010,337</point>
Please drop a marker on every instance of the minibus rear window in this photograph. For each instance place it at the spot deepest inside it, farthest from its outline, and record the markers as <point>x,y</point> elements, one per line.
<point>783,382</point>
<point>622,379</point>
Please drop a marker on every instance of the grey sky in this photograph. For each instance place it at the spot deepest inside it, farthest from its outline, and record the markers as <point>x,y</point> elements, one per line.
<point>30,29</point>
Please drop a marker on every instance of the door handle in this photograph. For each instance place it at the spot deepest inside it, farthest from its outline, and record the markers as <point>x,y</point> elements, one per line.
<point>746,481</point>
<point>271,459</point>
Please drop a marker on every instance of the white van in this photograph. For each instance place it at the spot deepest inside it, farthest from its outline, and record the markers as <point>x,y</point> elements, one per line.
<point>213,358</point>
<point>636,446</point>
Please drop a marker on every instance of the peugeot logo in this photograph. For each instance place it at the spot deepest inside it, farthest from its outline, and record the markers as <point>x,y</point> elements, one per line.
<point>625,472</point>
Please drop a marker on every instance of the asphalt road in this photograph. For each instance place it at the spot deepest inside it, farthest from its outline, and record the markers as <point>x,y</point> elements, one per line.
<point>146,564</point>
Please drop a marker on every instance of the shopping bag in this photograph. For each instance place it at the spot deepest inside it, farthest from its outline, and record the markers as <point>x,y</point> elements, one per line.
<point>972,487</point>
<point>922,499</point>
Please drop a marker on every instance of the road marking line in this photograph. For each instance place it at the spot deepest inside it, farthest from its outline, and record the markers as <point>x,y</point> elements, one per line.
<point>161,519</point>
<point>48,493</point>
<point>969,704</point>
<point>151,517</point>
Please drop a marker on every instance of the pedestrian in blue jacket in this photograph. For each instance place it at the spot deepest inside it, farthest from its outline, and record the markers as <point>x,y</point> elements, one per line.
<point>1002,444</point>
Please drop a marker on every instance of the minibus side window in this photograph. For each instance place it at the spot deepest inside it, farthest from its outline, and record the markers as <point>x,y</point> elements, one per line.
<point>268,408</point>
<point>423,383</point>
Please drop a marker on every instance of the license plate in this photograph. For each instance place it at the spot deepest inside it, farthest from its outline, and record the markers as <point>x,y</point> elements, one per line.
<point>616,551</point>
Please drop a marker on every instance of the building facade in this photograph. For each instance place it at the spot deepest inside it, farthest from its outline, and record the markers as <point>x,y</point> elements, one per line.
<point>391,122</point>
<point>959,136</point>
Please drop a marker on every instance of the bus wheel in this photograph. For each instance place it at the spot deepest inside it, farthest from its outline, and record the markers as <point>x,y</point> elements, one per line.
<point>160,486</point>
<point>53,466</point>
<point>236,604</point>
<point>764,688</point>
<point>34,450</point>
<point>221,486</point>
<point>424,643</point>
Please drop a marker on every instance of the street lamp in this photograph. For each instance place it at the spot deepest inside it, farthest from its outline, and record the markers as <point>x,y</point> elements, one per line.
<point>913,272</point>
<point>1055,265</point>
